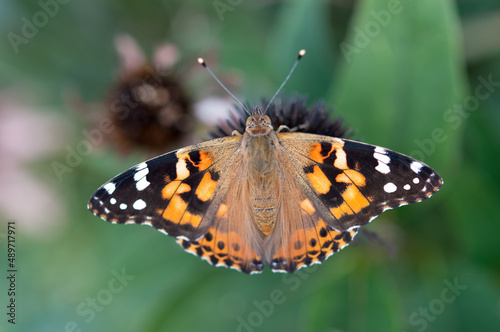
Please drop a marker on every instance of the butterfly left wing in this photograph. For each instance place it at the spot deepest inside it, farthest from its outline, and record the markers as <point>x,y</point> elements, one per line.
<point>350,183</point>
<point>178,193</point>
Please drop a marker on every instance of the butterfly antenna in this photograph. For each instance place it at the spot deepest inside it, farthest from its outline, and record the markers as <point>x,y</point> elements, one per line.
<point>201,61</point>
<point>301,54</point>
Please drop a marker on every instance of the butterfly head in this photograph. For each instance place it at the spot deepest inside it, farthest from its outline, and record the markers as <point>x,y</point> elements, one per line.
<point>258,124</point>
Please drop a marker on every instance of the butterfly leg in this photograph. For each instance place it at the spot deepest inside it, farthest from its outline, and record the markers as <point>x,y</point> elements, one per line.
<point>288,129</point>
<point>388,246</point>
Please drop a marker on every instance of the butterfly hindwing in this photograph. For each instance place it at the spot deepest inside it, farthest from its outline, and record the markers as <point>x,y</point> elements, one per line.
<point>311,245</point>
<point>232,240</point>
<point>301,237</point>
<point>178,193</point>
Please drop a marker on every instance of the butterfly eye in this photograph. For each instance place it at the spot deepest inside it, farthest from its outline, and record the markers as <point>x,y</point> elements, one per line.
<point>249,122</point>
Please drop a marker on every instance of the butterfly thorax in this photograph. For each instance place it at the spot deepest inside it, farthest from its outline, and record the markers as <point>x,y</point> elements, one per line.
<point>262,172</point>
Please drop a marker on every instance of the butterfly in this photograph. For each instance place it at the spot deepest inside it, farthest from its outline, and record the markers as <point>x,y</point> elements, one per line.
<point>273,197</point>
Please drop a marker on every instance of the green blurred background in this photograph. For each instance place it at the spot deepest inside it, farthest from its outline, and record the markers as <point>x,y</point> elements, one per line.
<point>411,76</point>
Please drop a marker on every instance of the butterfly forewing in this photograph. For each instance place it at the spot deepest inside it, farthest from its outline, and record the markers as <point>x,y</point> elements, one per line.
<point>178,193</point>
<point>350,183</point>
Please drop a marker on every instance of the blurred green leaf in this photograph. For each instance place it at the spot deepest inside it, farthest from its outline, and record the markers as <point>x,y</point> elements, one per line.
<point>401,71</point>
<point>303,25</point>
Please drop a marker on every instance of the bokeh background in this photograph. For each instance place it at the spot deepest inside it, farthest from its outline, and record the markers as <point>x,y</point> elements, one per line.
<point>420,77</point>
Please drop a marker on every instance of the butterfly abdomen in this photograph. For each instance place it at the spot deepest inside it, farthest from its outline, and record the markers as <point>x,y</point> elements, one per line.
<point>265,213</point>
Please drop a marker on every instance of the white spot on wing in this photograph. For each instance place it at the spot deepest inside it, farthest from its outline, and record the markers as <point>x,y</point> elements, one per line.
<point>112,200</point>
<point>140,176</point>
<point>274,270</point>
<point>142,184</point>
<point>383,159</point>
<point>123,206</point>
<point>382,168</point>
<point>141,166</point>
<point>110,187</point>
<point>202,257</point>
<point>390,187</point>
<point>407,187</point>
<point>381,154</point>
<point>234,267</point>
<point>416,166</point>
<point>139,204</point>
<point>416,180</point>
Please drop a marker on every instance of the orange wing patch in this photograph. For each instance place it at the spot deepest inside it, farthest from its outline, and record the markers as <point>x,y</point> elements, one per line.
<point>350,200</point>
<point>354,200</point>
<point>189,190</point>
<point>200,159</point>
<point>307,207</point>
<point>206,188</point>
<point>318,153</point>
<point>319,181</point>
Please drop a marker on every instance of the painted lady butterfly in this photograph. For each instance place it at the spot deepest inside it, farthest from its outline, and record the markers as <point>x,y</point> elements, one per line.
<point>268,197</point>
